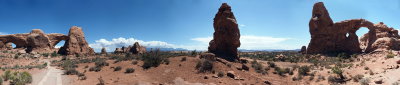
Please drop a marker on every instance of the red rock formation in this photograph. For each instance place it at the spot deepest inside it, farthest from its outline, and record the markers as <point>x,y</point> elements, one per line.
<point>303,50</point>
<point>103,51</point>
<point>137,49</point>
<point>329,37</point>
<point>35,41</point>
<point>76,44</point>
<point>226,35</point>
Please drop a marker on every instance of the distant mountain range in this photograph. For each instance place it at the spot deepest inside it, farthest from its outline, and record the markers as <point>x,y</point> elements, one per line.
<point>241,50</point>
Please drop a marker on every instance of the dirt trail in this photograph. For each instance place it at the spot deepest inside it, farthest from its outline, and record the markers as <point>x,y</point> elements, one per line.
<point>51,76</point>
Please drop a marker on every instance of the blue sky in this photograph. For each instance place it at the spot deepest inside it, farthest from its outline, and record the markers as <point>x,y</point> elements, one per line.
<point>264,24</point>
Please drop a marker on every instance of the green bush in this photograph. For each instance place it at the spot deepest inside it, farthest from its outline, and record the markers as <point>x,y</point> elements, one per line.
<point>71,71</point>
<point>20,78</point>
<point>338,71</point>
<point>303,70</point>
<point>1,81</point>
<point>271,64</point>
<point>129,70</point>
<point>7,75</point>
<point>152,59</point>
<point>390,55</point>
<point>54,54</point>
<point>96,69</point>
<point>257,66</point>
<point>204,66</point>
<point>117,68</point>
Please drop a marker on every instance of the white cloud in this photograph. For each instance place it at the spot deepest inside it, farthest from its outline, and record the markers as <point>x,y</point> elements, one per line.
<point>241,26</point>
<point>249,42</point>
<point>3,33</point>
<point>119,42</point>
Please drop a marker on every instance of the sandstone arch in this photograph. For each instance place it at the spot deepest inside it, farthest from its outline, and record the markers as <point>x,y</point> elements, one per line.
<point>330,37</point>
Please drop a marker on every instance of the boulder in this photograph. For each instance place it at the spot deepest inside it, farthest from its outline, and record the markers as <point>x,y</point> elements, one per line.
<point>340,37</point>
<point>76,44</point>
<point>226,36</point>
<point>231,74</point>
<point>245,67</point>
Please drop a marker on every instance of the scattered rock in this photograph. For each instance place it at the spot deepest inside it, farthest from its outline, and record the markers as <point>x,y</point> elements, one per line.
<point>244,61</point>
<point>231,74</point>
<point>267,83</point>
<point>226,36</point>
<point>379,81</point>
<point>245,67</point>
<point>76,44</point>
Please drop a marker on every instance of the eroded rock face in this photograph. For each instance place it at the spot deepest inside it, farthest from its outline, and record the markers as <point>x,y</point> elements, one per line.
<point>226,35</point>
<point>103,51</point>
<point>329,37</point>
<point>118,50</point>
<point>35,41</point>
<point>76,44</point>
<point>303,50</point>
<point>135,49</point>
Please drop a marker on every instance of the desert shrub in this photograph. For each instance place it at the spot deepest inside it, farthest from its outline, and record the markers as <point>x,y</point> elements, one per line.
<point>193,53</point>
<point>271,64</point>
<point>20,78</point>
<point>7,75</point>
<point>54,54</point>
<point>204,65</point>
<point>101,63</point>
<point>134,62</point>
<point>303,70</point>
<point>129,70</point>
<point>357,77</point>
<point>343,55</point>
<point>117,68</point>
<point>152,59</point>
<point>366,68</point>
<point>96,69</point>
<point>71,71</point>
<point>338,71</point>
<point>183,59</point>
<point>68,64</point>
<point>390,55</point>
<point>101,81</point>
<point>1,81</point>
<point>257,66</point>
<point>364,81</point>
<point>220,74</point>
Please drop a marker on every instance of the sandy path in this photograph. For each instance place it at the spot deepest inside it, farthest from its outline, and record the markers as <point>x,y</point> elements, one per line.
<point>51,76</point>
